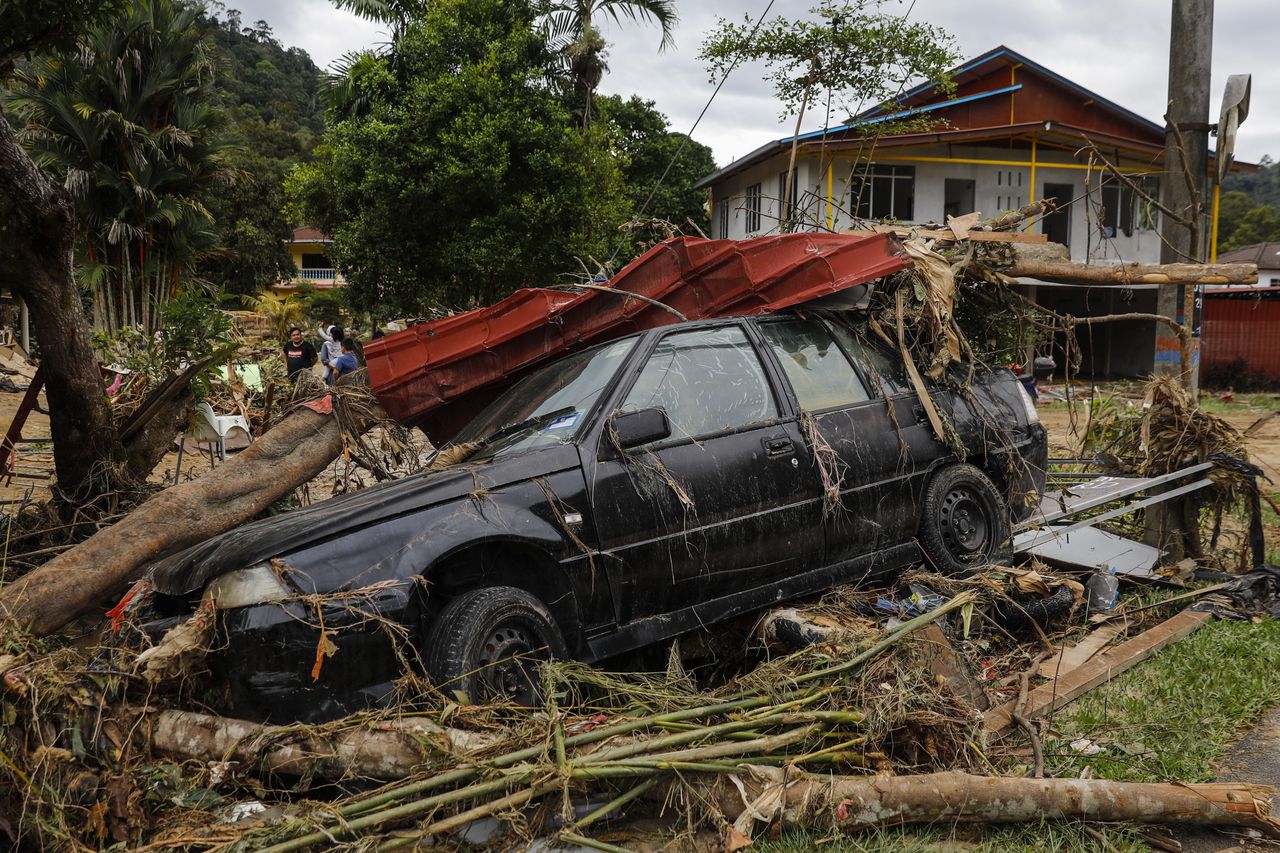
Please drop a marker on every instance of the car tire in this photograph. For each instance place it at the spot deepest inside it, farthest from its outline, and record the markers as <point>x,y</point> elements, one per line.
<point>486,643</point>
<point>964,521</point>
<point>1025,610</point>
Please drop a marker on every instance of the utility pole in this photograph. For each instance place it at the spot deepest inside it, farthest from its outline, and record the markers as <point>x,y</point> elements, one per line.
<point>1190,59</point>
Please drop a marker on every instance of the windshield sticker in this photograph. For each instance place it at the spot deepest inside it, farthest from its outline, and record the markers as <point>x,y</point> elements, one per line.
<point>563,423</point>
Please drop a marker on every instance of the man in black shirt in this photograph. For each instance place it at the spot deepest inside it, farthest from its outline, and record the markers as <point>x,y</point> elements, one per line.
<point>299,355</point>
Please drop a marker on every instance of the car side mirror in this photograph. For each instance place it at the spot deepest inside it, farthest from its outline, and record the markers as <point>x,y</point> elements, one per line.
<point>631,429</point>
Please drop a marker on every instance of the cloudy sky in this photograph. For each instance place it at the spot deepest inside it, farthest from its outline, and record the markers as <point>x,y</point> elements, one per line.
<point>1117,48</point>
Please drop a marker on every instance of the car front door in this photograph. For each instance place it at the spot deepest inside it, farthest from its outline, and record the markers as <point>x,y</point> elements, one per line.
<point>870,443</point>
<point>729,501</point>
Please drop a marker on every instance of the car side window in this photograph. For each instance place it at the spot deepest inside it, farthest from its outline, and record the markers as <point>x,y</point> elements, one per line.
<point>875,363</point>
<point>707,381</point>
<point>820,374</point>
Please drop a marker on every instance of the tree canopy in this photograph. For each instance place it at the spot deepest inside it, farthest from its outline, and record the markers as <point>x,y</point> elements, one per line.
<point>1250,207</point>
<point>639,136</point>
<point>123,121</point>
<point>467,177</point>
<point>851,51</point>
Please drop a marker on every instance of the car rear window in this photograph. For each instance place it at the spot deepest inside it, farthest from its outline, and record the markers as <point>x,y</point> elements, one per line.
<point>820,374</point>
<point>707,381</point>
<point>882,369</point>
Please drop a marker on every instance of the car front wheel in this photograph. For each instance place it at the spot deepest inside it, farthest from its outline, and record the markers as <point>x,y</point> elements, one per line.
<point>964,522</point>
<point>486,645</point>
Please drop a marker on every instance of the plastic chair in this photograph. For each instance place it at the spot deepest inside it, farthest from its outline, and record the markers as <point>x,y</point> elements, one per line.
<point>207,427</point>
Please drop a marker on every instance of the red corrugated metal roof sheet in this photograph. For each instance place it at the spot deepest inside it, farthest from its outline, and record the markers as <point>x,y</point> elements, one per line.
<point>439,375</point>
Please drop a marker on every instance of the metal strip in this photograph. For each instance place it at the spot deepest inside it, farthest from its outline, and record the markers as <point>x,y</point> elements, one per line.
<point>1141,485</point>
<point>1127,508</point>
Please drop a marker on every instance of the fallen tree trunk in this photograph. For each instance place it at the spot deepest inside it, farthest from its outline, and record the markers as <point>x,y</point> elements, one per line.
<point>861,803</point>
<point>1072,273</point>
<point>386,749</point>
<point>285,457</point>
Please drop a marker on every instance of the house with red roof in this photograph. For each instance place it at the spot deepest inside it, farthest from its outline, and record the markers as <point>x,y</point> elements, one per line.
<point>1012,132</point>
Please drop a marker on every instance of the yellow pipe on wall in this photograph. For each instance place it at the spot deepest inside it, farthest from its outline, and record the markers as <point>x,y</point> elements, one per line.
<point>1031,229</point>
<point>1213,229</point>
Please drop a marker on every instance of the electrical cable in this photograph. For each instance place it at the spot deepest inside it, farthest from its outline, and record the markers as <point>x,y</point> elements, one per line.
<point>689,136</point>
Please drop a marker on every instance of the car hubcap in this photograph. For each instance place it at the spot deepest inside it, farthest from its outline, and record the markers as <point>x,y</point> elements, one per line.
<point>507,661</point>
<point>964,523</point>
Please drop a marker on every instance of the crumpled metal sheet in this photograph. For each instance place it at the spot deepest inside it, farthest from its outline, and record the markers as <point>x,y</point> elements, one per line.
<point>439,375</point>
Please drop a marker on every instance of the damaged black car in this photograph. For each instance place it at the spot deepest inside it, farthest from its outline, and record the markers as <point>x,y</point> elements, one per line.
<point>615,498</point>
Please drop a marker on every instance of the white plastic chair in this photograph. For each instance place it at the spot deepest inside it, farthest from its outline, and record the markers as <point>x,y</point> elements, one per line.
<point>207,427</point>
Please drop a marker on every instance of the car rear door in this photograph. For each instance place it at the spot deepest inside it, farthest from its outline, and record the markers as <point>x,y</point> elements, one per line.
<point>730,501</point>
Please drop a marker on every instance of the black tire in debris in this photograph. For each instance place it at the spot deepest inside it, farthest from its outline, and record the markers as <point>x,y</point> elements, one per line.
<point>486,645</point>
<point>1024,610</point>
<point>964,521</point>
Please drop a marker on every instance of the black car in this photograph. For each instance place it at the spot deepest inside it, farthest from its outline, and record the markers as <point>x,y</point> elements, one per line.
<point>617,497</point>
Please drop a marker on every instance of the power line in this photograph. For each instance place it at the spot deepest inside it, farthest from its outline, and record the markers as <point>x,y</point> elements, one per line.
<point>689,136</point>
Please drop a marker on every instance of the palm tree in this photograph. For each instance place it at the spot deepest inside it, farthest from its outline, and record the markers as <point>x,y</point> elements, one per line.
<point>571,33</point>
<point>122,121</point>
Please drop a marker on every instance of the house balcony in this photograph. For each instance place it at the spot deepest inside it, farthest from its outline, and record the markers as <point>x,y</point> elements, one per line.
<point>320,278</point>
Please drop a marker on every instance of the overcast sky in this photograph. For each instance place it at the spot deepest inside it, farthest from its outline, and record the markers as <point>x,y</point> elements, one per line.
<point>1117,48</point>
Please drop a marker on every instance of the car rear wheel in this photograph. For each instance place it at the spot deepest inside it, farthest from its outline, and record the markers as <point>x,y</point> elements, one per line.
<point>486,644</point>
<point>964,521</point>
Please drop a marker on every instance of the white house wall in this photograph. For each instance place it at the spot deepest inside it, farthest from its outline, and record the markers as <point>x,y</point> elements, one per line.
<point>992,195</point>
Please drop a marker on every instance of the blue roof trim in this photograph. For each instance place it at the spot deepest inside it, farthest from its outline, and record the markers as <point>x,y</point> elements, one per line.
<point>1039,69</point>
<point>941,105</point>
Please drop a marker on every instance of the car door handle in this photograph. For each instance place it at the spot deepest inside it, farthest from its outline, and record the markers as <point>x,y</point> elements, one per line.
<point>778,447</point>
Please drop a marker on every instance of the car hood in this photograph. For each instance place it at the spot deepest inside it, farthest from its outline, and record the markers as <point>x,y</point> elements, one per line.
<point>189,570</point>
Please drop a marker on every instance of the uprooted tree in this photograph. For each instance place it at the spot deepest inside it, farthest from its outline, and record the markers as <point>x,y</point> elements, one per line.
<point>93,455</point>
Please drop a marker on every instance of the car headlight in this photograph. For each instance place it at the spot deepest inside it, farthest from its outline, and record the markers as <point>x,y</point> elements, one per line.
<point>1028,404</point>
<point>257,584</point>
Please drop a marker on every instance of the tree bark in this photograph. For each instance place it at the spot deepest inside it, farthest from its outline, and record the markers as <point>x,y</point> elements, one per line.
<point>865,802</point>
<point>289,454</point>
<point>1121,274</point>
<point>382,749</point>
<point>36,237</point>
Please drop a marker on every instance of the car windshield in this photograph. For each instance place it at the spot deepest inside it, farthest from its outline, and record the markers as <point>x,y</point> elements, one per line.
<point>549,405</point>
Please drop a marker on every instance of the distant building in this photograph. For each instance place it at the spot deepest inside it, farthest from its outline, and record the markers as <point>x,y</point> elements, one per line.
<point>1265,255</point>
<point>1012,132</point>
<point>309,248</point>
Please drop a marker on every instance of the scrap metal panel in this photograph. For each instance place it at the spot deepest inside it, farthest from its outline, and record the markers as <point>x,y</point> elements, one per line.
<point>450,368</point>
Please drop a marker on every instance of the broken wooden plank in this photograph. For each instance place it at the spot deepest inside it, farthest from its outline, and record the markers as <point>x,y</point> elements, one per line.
<point>948,234</point>
<point>1070,685</point>
<point>1071,657</point>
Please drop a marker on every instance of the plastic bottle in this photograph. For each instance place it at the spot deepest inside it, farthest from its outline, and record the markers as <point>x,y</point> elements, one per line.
<point>1103,588</point>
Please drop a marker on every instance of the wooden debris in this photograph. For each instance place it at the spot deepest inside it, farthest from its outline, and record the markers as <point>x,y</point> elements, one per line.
<point>1068,659</point>
<point>850,803</point>
<point>382,749</point>
<point>948,234</point>
<point>1072,684</point>
<point>80,578</point>
<point>1129,274</point>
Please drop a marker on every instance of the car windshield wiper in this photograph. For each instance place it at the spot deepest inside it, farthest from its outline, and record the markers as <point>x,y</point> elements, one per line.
<point>526,425</point>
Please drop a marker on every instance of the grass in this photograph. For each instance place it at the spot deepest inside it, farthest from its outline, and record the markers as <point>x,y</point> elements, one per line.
<point>1243,404</point>
<point>1167,719</point>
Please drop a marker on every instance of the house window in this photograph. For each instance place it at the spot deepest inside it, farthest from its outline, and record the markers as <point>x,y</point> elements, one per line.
<point>315,261</point>
<point>885,192</point>
<point>724,219</point>
<point>753,208</point>
<point>1119,203</point>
